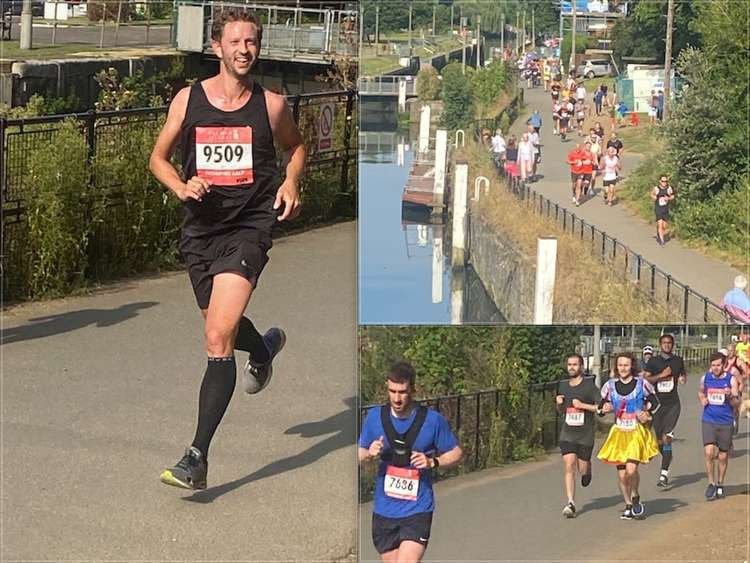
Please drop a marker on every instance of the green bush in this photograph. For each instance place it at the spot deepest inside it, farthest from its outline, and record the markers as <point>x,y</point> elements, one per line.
<point>489,83</point>
<point>428,84</point>
<point>62,211</point>
<point>458,100</point>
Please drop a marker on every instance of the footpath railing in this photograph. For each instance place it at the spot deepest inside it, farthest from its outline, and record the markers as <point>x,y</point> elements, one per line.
<point>105,133</point>
<point>655,283</point>
<point>386,85</point>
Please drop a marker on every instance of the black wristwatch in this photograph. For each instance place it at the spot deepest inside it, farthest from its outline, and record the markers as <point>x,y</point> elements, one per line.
<point>436,462</point>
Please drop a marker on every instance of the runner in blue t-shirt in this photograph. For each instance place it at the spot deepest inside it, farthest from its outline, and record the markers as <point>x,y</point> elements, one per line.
<point>404,502</point>
<point>718,393</point>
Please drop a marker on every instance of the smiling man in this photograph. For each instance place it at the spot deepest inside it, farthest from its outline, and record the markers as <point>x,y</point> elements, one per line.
<point>225,127</point>
<point>410,440</point>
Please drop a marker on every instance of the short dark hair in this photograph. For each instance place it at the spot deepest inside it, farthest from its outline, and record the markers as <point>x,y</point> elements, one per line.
<point>717,356</point>
<point>663,336</point>
<point>580,358</point>
<point>402,372</point>
<point>234,15</point>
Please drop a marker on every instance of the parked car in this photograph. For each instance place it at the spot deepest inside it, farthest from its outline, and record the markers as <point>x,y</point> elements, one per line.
<point>15,7</point>
<point>598,67</point>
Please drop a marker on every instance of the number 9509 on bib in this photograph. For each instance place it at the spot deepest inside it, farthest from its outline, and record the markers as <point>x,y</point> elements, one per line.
<point>224,155</point>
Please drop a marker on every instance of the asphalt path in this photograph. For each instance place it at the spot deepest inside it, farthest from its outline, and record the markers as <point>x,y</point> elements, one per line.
<point>706,275</point>
<point>99,394</point>
<point>514,513</point>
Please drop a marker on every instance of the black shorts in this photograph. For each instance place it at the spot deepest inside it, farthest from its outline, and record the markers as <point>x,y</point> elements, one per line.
<point>719,435</point>
<point>661,212</point>
<point>564,121</point>
<point>574,177</point>
<point>243,250</point>
<point>665,419</point>
<point>388,533</point>
<point>610,182</point>
<point>581,451</point>
<point>585,177</point>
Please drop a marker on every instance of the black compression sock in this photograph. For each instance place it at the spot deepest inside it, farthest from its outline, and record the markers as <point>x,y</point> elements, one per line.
<point>666,456</point>
<point>216,392</point>
<point>250,340</point>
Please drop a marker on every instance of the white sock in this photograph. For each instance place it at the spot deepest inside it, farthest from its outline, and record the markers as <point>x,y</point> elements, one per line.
<point>665,472</point>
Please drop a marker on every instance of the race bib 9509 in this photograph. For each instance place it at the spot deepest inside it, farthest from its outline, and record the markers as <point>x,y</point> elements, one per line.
<point>224,155</point>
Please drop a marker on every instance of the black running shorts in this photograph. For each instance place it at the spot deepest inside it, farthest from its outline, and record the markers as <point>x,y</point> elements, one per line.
<point>581,451</point>
<point>661,212</point>
<point>243,251</point>
<point>717,434</point>
<point>610,182</point>
<point>665,419</point>
<point>574,176</point>
<point>388,533</point>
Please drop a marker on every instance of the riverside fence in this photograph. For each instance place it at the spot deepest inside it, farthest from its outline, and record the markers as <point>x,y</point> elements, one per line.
<point>105,135</point>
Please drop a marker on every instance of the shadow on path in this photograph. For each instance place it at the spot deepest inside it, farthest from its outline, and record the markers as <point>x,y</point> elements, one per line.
<point>677,481</point>
<point>52,325</point>
<point>341,424</point>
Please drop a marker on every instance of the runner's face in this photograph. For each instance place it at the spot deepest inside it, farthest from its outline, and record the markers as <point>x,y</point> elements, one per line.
<point>238,48</point>
<point>717,367</point>
<point>666,345</point>
<point>574,367</point>
<point>399,395</point>
<point>623,367</point>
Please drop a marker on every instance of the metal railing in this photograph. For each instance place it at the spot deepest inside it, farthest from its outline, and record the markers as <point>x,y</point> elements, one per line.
<point>291,32</point>
<point>19,138</point>
<point>386,85</point>
<point>655,283</point>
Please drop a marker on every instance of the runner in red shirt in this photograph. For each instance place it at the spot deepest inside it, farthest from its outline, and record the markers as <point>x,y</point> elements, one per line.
<point>575,158</point>
<point>587,169</point>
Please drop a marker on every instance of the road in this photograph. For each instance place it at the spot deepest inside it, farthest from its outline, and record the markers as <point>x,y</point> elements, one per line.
<point>99,394</point>
<point>515,513</point>
<point>127,36</point>
<point>704,274</point>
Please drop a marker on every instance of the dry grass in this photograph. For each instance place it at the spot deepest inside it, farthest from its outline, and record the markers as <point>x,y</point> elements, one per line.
<point>586,291</point>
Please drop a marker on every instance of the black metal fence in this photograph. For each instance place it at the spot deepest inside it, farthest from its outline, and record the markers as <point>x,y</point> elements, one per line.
<point>104,133</point>
<point>659,286</point>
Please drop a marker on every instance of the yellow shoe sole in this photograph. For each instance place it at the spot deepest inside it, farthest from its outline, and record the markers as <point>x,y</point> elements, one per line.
<point>169,479</point>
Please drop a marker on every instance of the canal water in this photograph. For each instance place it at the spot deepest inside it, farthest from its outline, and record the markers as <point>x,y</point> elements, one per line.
<point>405,276</point>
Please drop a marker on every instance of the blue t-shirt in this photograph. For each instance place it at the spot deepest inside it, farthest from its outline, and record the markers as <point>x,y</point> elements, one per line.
<point>434,438</point>
<point>717,390</point>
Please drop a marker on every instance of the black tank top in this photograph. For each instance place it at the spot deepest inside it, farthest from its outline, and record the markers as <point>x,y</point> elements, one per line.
<point>234,151</point>
<point>663,192</point>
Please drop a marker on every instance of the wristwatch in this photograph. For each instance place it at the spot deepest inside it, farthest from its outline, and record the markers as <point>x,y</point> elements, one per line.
<point>435,463</point>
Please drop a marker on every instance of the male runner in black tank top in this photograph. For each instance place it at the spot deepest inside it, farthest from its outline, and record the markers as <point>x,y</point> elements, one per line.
<point>226,126</point>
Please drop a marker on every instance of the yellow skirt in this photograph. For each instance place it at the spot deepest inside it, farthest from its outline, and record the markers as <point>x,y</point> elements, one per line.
<point>629,445</point>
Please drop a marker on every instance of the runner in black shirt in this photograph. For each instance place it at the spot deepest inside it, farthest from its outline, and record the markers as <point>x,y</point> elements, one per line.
<point>226,126</point>
<point>665,371</point>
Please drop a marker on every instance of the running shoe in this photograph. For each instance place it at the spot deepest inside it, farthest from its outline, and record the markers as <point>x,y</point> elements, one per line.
<point>719,491</point>
<point>255,377</point>
<point>711,491</point>
<point>663,482</point>
<point>586,479</point>
<point>638,509</point>
<point>627,514</point>
<point>189,473</point>
<point>570,510</point>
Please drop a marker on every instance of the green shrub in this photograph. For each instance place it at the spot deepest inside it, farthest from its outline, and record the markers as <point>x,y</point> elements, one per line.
<point>489,83</point>
<point>458,100</point>
<point>428,84</point>
<point>62,211</point>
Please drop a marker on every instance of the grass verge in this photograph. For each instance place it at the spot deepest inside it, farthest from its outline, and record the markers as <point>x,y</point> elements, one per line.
<point>586,291</point>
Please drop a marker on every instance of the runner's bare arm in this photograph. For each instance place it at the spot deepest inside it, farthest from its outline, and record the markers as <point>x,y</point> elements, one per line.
<point>702,393</point>
<point>285,131</point>
<point>160,164</point>
<point>363,454</point>
<point>593,407</point>
<point>734,398</point>
<point>451,457</point>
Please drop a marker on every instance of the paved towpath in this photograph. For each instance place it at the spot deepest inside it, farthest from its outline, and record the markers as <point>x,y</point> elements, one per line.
<point>704,274</point>
<point>99,393</point>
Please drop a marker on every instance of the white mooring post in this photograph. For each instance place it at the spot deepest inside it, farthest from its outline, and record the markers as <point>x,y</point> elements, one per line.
<point>437,263</point>
<point>441,159</point>
<point>546,260</point>
<point>459,214</point>
<point>402,95</point>
<point>424,129</point>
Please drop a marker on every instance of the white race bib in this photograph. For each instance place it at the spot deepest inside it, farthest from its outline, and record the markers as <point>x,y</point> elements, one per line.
<point>574,417</point>
<point>224,155</point>
<point>663,201</point>
<point>716,396</point>
<point>401,482</point>
<point>665,385</point>
<point>627,421</point>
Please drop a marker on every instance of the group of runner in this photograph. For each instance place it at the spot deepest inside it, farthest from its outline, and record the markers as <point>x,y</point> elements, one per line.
<point>592,158</point>
<point>646,406</point>
<point>409,441</point>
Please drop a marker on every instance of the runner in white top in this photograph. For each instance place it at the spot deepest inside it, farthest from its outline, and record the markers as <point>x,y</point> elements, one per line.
<point>611,168</point>
<point>534,140</point>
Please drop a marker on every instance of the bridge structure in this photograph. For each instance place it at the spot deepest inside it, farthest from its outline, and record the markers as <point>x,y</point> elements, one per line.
<point>290,32</point>
<point>387,85</point>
